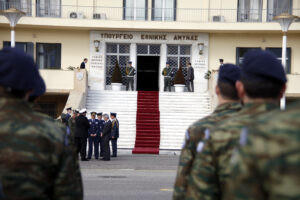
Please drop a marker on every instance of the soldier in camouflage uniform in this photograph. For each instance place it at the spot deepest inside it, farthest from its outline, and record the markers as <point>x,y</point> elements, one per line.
<point>36,161</point>
<point>228,105</point>
<point>262,84</point>
<point>267,164</point>
<point>167,73</point>
<point>72,126</point>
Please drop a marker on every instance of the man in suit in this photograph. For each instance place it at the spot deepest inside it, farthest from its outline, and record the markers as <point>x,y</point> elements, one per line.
<point>190,78</point>
<point>94,136</point>
<point>100,130</point>
<point>221,62</point>
<point>82,65</point>
<point>114,133</point>
<point>106,135</point>
<point>69,112</point>
<point>81,134</point>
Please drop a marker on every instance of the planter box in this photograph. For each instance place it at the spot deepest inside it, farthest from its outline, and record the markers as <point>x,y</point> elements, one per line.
<point>116,86</point>
<point>179,87</point>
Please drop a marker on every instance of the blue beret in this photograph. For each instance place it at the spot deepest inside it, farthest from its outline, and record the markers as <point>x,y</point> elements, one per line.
<point>129,62</point>
<point>229,73</point>
<point>18,72</point>
<point>100,113</point>
<point>167,63</point>
<point>262,66</point>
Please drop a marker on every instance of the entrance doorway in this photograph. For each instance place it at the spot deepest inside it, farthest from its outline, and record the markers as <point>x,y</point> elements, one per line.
<point>147,73</point>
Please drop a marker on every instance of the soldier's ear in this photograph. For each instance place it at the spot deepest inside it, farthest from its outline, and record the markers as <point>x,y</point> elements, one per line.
<point>240,89</point>
<point>217,90</point>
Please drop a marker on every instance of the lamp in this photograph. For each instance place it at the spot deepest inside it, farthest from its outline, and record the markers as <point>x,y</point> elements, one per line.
<point>97,45</point>
<point>285,20</point>
<point>13,15</point>
<point>201,48</point>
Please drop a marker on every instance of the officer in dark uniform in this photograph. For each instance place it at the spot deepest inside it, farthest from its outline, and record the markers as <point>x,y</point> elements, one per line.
<point>114,133</point>
<point>167,73</point>
<point>94,136</point>
<point>81,133</point>
<point>100,130</point>
<point>130,72</point>
<point>106,136</point>
<point>69,112</point>
<point>82,65</point>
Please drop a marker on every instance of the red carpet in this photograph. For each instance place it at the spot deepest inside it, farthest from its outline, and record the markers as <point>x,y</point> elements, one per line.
<point>147,123</point>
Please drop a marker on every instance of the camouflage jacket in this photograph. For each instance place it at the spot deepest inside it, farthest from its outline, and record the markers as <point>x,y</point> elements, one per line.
<point>210,169</point>
<point>35,159</point>
<point>267,165</point>
<point>193,136</point>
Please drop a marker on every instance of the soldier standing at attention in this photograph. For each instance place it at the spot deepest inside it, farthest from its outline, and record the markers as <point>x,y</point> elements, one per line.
<point>167,72</point>
<point>106,136</point>
<point>263,82</point>
<point>100,130</point>
<point>69,112</point>
<point>81,133</point>
<point>228,104</point>
<point>114,133</point>
<point>72,126</point>
<point>130,72</point>
<point>190,77</point>
<point>267,164</point>
<point>93,136</point>
<point>36,161</point>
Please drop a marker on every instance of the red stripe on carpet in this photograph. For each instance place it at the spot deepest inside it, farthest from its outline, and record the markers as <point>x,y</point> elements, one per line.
<point>147,123</point>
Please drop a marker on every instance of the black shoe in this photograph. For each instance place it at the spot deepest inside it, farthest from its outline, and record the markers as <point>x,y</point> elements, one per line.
<point>114,156</point>
<point>84,159</point>
<point>89,158</point>
<point>105,159</point>
<point>96,158</point>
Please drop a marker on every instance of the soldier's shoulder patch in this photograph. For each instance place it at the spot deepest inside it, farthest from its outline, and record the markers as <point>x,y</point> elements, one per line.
<point>244,136</point>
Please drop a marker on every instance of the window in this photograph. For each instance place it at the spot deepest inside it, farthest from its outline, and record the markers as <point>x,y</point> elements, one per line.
<point>278,53</point>
<point>249,10</point>
<point>240,52</point>
<point>179,55</point>
<point>135,9</point>
<point>27,47</point>
<point>23,5</point>
<point>148,49</point>
<point>114,53</point>
<point>164,10</point>
<point>276,7</point>
<point>48,56</point>
<point>48,8</point>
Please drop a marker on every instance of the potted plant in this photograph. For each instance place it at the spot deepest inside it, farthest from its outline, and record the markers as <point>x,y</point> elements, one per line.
<point>116,82</point>
<point>179,81</point>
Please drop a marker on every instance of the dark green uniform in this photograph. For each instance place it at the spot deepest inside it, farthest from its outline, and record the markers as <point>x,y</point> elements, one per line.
<point>36,160</point>
<point>193,136</point>
<point>266,167</point>
<point>167,78</point>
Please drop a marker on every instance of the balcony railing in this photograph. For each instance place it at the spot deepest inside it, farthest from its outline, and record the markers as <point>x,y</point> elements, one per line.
<point>24,6</point>
<point>146,14</point>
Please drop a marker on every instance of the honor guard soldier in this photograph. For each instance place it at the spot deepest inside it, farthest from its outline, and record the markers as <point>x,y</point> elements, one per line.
<point>228,105</point>
<point>130,72</point>
<point>69,112</point>
<point>36,161</point>
<point>190,77</point>
<point>106,136</point>
<point>94,136</point>
<point>114,133</point>
<point>167,73</point>
<point>262,84</point>
<point>100,130</point>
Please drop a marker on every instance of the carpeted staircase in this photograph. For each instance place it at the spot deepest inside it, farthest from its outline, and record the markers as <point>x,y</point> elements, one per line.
<point>147,123</point>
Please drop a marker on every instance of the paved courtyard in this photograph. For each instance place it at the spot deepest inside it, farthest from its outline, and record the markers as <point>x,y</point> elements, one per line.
<point>130,177</point>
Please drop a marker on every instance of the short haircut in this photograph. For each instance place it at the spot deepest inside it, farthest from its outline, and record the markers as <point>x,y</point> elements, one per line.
<point>106,115</point>
<point>85,59</point>
<point>189,63</point>
<point>263,89</point>
<point>228,91</point>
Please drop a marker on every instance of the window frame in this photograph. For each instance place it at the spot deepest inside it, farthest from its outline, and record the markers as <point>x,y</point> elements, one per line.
<point>48,3</point>
<point>288,67</point>
<point>134,15</point>
<point>29,46</point>
<point>163,10</point>
<point>271,15</point>
<point>238,52</point>
<point>58,54</point>
<point>248,13</point>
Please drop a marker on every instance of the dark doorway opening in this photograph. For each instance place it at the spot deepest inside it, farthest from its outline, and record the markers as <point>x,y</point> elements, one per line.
<point>147,73</point>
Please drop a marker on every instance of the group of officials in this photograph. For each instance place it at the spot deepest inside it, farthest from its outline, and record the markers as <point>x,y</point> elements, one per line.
<point>96,131</point>
<point>247,149</point>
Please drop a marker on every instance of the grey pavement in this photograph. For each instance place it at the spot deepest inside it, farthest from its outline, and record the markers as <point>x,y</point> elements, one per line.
<point>130,177</point>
